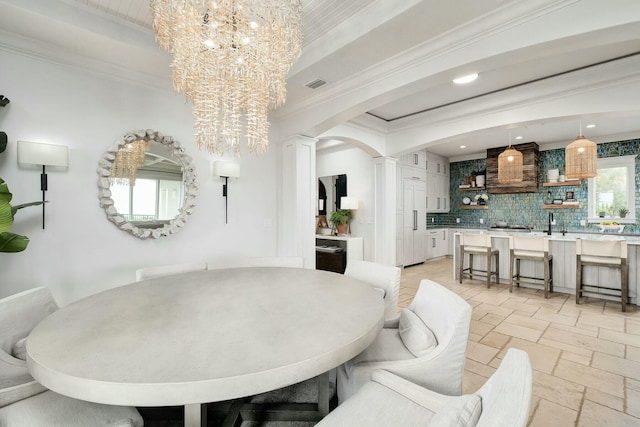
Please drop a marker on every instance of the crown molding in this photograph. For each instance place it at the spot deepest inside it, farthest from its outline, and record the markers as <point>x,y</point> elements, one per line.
<point>46,52</point>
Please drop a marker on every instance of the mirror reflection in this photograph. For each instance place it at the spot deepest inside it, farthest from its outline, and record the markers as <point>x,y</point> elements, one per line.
<point>151,195</point>
<point>330,190</point>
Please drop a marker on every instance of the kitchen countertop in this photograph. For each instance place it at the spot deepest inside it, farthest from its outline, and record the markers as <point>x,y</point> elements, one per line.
<point>633,239</point>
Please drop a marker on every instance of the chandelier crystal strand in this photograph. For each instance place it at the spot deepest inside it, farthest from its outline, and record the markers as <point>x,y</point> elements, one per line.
<point>129,159</point>
<point>230,59</point>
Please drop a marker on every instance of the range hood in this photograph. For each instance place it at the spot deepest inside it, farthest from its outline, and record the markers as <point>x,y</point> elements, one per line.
<point>529,182</point>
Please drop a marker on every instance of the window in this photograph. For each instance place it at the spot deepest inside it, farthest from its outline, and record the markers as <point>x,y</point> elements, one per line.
<point>148,200</point>
<point>614,188</point>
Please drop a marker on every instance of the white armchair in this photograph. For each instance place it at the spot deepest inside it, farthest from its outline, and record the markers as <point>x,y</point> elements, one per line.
<point>23,401</point>
<point>389,400</point>
<point>383,277</point>
<point>168,270</point>
<point>427,346</point>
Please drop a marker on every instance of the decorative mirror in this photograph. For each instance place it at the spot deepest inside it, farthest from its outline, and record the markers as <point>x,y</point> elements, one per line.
<point>147,184</point>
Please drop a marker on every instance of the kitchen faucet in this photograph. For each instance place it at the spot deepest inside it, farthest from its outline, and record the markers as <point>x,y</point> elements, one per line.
<point>550,221</point>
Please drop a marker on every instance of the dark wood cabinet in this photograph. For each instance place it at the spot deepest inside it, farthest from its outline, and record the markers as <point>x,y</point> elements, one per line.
<point>336,262</point>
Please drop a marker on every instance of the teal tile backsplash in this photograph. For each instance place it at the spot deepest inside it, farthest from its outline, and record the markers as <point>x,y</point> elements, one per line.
<point>526,209</point>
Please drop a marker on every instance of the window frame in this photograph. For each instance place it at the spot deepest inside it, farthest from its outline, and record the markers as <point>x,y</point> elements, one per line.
<point>628,162</point>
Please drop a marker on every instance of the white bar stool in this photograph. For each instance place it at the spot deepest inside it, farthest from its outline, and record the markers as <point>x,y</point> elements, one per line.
<point>533,249</point>
<point>603,253</point>
<point>479,244</point>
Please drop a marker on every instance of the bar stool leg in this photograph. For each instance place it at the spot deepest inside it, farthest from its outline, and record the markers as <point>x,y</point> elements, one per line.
<point>471,266</point>
<point>497,268</point>
<point>551,274</point>
<point>578,280</point>
<point>518,272</point>
<point>546,278</point>
<point>511,271</point>
<point>461,268</point>
<point>625,284</point>
<point>488,268</point>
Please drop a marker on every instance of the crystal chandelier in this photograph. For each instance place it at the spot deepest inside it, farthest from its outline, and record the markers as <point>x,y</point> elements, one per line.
<point>230,58</point>
<point>129,158</point>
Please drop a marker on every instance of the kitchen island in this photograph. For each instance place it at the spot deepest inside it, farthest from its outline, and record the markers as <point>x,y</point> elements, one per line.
<point>563,249</point>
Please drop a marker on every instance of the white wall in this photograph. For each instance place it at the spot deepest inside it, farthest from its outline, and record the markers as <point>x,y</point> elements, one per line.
<point>80,252</point>
<point>359,169</point>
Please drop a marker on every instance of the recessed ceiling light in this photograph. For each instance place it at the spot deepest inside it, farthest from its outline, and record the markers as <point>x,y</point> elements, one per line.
<point>463,146</point>
<point>466,79</point>
<point>519,137</point>
<point>590,126</point>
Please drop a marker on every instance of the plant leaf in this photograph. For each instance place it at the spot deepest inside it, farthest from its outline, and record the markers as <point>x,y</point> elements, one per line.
<point>15,208</point>
<point>3,142</point>
<point>10,242</point>
<point>6,214</point>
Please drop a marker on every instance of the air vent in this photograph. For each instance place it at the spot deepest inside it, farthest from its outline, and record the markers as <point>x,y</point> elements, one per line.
<point>315,84</point>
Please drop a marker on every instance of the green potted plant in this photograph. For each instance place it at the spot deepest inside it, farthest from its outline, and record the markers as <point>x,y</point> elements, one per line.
<point>623,212</point>
<point>340,219</point>
<point>10,242</point>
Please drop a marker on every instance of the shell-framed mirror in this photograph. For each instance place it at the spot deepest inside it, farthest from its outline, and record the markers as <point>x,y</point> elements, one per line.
<point>147,184</point>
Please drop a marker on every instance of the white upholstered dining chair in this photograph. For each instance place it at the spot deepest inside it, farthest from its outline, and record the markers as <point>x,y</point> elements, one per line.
<point>169,270</point>
<point>383,277</point>
<point>23,401</point>
<point>390,400</point>
<point>427,346</point>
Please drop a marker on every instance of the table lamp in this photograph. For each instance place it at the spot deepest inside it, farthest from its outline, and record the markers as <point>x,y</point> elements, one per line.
<point>35,153</point>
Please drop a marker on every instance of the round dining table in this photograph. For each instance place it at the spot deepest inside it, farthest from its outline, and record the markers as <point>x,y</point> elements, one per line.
<point>206,336</point>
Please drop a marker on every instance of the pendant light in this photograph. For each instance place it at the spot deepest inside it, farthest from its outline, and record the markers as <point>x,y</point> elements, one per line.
<point>510,165</point>
<point>581,158</point>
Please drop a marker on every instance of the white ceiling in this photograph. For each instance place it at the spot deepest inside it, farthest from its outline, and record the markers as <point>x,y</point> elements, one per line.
<point>344,40</point>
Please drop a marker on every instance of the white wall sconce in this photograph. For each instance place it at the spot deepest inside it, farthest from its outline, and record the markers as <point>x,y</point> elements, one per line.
<point>225,170</point>
<point>35,153</point>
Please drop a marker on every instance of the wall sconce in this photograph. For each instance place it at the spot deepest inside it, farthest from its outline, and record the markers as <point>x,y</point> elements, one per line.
<point>226,170</point>
<point>350,204</point>
<point>34,153</point>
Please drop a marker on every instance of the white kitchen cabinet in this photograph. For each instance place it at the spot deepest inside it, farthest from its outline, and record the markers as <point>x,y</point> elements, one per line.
<point>438,200</point>
<point>416,159</point>
<point>414,220</point>
<point>437,243</point>
<point>410,172</point>
<point>399,239</point>
<point>436,164</point>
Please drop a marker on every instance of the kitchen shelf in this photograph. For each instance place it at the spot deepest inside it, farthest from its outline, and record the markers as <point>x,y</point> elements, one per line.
<point>472,189</point>
<point>474,207</point>
<point>563,184</point>
<point>561,206</point>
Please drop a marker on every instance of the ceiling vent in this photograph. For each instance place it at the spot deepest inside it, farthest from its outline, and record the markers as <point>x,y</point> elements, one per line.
<point>315,84</point>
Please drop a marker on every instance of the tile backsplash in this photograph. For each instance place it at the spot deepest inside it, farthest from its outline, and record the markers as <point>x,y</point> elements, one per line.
<point>526,208</point>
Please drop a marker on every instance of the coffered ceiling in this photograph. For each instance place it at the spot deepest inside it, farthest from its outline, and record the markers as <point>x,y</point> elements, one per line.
<point>348,42</point>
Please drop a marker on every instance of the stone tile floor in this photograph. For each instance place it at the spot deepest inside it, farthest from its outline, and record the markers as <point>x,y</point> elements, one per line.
<point>585,358</point>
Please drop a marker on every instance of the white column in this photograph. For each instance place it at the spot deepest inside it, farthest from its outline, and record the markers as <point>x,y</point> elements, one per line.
<point>384,233</point>
<point>297,207</point>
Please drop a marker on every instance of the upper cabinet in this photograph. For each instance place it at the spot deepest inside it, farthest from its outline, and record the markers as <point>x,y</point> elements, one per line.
<point>417,159</point>
<point>436,164</point>
<point>438,200</point>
